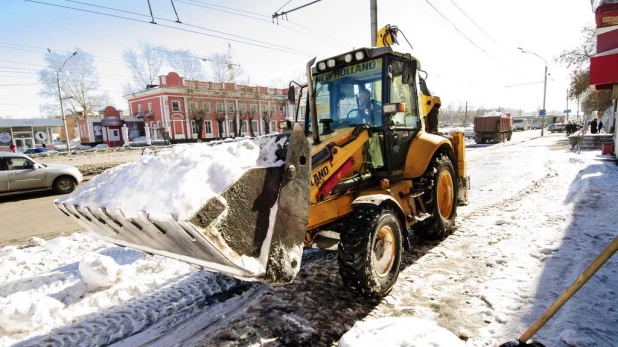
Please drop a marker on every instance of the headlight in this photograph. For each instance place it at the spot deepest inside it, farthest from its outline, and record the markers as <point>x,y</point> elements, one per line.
<point>360,55</point>
<point>322,66</point>
<point>348,57</point>
<point>330,63</point>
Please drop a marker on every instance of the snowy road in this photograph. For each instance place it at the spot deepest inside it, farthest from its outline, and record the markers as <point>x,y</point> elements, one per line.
<point>539,214</point>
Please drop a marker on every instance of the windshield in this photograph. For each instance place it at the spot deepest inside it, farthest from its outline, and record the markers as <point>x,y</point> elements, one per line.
<point>350,95</point>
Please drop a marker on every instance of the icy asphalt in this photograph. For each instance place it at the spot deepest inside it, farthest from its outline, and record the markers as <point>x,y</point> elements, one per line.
<point>539,213</point>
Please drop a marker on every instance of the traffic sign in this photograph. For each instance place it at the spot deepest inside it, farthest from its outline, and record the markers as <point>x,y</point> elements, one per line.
<point>567,111</point>
<point>542,112</point>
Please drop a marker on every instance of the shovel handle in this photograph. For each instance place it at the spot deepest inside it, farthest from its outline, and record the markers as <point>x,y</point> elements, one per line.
<point>600,260</point>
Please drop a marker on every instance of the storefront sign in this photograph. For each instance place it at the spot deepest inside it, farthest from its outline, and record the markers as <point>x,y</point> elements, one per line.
<point>111,122</point>
<point>41,136</point>
<point>5,137</point>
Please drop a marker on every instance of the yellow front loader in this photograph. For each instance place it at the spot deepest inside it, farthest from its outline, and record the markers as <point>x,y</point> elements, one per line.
<point>362,173</point>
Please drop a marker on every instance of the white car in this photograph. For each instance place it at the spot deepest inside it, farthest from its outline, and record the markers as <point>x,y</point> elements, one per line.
<point>20,173</point>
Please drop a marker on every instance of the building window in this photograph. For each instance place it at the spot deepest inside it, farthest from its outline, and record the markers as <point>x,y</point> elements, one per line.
<point>193,106</point>
<point>175,105</point>
<point>230,107</point>
<point>243,107</point>
<point>243,128</point>
<point>158,123</point>
<point>194,129</point>
<point>219,107</point>
<point>273,126</point>
<point>208,127</point>
<point>231,127</point>
<point>254,126</point>
<point>253,108</point>
<point>206,107</point>
<point>272,109</point>
<point>151,124</point>
<point>150,107</point>
<point>139,108</point>
<point>282,109</point>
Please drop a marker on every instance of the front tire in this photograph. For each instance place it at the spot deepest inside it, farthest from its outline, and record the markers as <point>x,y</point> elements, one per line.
<point>64,185</point>
<point>441,200</point>
<point>370,250</point>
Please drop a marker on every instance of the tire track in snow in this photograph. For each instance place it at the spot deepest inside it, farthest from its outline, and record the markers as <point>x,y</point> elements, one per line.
<point>164,311</point>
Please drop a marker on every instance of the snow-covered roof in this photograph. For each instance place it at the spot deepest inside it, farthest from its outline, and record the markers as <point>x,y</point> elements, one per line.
<point>596,3</point>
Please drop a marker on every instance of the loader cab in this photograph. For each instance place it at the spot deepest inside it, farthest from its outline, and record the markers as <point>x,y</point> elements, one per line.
<point>391,111</point>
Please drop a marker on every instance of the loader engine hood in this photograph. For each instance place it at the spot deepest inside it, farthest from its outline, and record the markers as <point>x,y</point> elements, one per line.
<point>249,224</point>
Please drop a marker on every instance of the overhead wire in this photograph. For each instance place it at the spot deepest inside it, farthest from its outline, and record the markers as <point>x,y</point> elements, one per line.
<point>289,50</point>
<point>230,8</point>
<point>474,22</point>
<point>216,9</point>
<point>189,25</point>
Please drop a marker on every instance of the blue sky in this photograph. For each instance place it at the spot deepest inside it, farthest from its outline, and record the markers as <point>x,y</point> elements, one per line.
<point>475,68</point>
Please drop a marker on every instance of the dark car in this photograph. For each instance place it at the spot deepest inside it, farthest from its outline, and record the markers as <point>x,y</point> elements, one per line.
<point>35,150</point>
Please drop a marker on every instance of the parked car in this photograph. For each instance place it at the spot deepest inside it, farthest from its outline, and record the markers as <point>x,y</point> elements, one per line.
<point>20,173</point>
<point>556,127</point>
<point>36,150</point>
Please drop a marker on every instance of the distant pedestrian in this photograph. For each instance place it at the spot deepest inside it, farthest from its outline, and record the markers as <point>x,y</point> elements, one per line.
<point>12,147</point>
<point>593,126</point>
<point>601,126</point>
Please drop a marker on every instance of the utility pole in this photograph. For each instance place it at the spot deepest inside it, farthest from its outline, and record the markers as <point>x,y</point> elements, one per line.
<point>373,7</point>
<point>466,115</point>
<point>544,88</point>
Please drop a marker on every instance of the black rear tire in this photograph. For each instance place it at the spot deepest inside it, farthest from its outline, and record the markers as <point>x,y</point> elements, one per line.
<point>64,185</point>
<point>438,226</point>
<point>369,252</point>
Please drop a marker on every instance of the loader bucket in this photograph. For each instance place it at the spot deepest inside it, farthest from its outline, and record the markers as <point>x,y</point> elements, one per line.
<point>252,230</point>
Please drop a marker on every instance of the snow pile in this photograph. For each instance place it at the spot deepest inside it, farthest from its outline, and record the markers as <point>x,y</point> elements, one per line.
<point>46,287</point>
<point>176,181</point>
<point>399,332</point>
<point>98,271</point>
<point>493,114</point>
<point>138,139</point>
<point>21,312</point>
<point>81,147</point>
<point>101,145</point>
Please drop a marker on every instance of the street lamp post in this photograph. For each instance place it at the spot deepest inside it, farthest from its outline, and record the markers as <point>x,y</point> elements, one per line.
<point>544,87</point>
<point>64,119</point>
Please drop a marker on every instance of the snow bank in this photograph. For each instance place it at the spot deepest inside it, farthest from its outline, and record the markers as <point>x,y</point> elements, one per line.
<point>101,145</point>
<point>45,287</point>
<point>98,271</point>
<point>493,114</point>
<point>138,139</point>
<point>177,181</point>
<point>399,332</point>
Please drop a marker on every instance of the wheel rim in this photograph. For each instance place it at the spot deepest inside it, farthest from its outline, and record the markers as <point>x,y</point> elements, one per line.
<point>64,185</point>
<point>384,251</point>
<point>445,194</point>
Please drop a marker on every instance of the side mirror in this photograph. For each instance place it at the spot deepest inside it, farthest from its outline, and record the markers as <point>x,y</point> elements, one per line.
<point>285,125</point>
<point>292,95</point>
<point>408,72</point>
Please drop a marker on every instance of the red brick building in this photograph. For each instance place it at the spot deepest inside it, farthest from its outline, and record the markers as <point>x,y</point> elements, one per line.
<point>223,109</point>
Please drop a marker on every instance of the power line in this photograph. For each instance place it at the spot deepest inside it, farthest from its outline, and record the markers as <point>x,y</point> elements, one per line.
<point>454,26</point>
<point>523,84</point>
<point>18,84</point>
<point>18,62</point>
<point>478,26</point>
<point>230,8</point>
<point>161,25</point>
<point>283,6</point>
<point>216,9</point>
<point>189,25</point>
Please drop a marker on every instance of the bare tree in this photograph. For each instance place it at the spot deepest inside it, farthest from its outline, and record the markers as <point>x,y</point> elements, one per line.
<point>79,83</point>
<point>196,111</point>
<point>144,63</point>
<point>185,65</point>
<point>220,118</point>
<point>222,71</point>
<point>266,118</point>
<point>248,116</point>
<point>578,60</point>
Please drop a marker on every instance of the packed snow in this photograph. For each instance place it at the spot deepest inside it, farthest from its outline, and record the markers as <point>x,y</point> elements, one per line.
<point>196,173</point>
<point>399,332</point>
<point>534,222</point>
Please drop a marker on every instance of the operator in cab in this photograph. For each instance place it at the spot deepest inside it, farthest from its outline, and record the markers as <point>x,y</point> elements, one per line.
<point>370,111</point>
